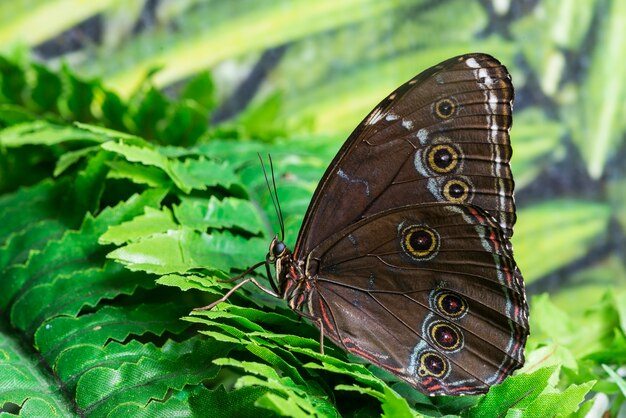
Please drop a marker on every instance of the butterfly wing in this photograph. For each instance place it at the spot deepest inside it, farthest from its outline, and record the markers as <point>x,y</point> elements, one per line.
<point>441,137</point>
<point>429,292</point>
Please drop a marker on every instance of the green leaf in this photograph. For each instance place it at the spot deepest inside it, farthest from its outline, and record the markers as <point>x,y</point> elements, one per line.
<point>515,392</point>
<point>187,175</point>
<point>617,197</point>
<point>184,124</point>
<point>587,332</point>
<point>139,174</point>
<point>393,405</point>
<point>180,250</point>
<point>115,354</point>
<point>561,404</point>
<point>201,173</point>
<point>545,40</point>
<point>108,133</point>
<point>68,293</point>
<point>48,87</point>
<point>102,388</point>
<point>89,184</point>
<point>73,251</point>
<point>239,402</point>
<point>285,406</point>
<point>621,383</point>
<point>62,332</point>
<point>571,226</point>
<point>33,237</point>
<point>208,283</point>
<point>79,94</point>
<point>273,358</point>
<point>620,305</point>
<point>201,89</point>
<point>396,406</point>
<point>43,133</point>
<point>13,82</point>
<point>536,142</point>
<point>288,398</point>
<point>22,22</point>
<point>72,157</point>
<point>46,215</point>
<point>153,221</point>
<point>358,371</point>
<point>137,150</point>
<point>551,353</point>
<point>599,107</point>
<point>24,383</point>
<point>172,407</point>
<point>209,28</point>
<point>230,212</point>
<point>15,115</point>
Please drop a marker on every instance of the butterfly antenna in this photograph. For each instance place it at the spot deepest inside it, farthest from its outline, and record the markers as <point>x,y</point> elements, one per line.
<point>272,190</point>
<point>279,212</point>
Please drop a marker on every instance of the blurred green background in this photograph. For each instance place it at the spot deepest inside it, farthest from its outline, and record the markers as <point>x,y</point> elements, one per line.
<point>295,68</point>
<point>293,78</point>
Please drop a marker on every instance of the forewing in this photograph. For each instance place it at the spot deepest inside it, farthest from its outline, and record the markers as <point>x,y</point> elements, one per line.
<point>441,137</point>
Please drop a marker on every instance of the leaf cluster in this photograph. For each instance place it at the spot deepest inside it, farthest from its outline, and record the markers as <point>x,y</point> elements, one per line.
<point>104,257</point>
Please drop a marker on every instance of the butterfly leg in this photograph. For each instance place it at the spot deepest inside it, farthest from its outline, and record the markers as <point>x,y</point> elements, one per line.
<point>321,325</point>
<point>233,290</point>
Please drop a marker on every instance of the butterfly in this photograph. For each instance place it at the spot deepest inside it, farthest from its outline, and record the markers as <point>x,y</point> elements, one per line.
<point>404,256</point>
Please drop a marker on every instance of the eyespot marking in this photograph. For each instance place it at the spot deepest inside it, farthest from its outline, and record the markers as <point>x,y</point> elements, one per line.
<point>443,158</point>
<point>445,108</point>
<point>449,304</point>
<point>446,336</point>
<point>432,364</point>
<point>419,242</point>
<point>457,190</point>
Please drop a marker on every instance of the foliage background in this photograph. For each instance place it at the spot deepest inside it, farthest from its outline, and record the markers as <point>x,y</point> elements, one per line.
<point>130,183</point>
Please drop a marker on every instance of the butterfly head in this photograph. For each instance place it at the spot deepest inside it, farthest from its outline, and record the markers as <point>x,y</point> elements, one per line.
<point>277,250</point>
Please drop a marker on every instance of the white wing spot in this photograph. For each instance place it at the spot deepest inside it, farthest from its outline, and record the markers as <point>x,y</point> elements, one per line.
<point>472,63</point>
<point>352,239</point>
<point>483,75</point>
<point>422,135</point>
<point>392,116</point>
<point>493,102</point>
<point>407,124</point>
<point>392,96</point>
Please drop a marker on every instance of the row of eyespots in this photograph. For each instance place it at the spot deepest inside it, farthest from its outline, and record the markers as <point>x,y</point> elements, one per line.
<point>444,159</point>
<point>421,243</point>
<point>443,334</point>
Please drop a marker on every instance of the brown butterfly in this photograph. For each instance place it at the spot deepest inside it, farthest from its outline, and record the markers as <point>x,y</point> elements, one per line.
<point>404,256</point>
